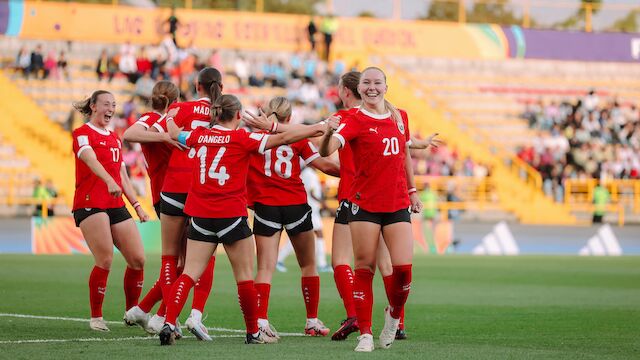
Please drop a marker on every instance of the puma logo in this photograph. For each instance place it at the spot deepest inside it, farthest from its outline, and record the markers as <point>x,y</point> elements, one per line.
<point>375,130</point>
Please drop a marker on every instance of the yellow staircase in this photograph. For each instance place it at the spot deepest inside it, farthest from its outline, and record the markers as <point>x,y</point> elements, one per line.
<point>46,144</point>
<point>523,197</point>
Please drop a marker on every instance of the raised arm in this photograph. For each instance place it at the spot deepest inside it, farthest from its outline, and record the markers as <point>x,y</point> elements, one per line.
<point>329,143</point>
<point>421,144</point>
<point>263,122</point>
<point>295,133</point>
<point>327,166</point>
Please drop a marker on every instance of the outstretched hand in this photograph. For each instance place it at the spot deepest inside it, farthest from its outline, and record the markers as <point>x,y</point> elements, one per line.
<point>433,141</point>
<point>257,121</point>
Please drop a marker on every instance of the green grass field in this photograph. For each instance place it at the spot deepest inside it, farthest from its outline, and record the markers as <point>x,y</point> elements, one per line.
<point>460,308</point>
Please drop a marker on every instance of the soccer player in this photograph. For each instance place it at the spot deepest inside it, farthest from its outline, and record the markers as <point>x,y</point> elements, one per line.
<point>98,208</point>
<point>279,200</point>
<point>382,192</point>
<point>218,206</point>
<point>157,146</point>
<point>189,115</point>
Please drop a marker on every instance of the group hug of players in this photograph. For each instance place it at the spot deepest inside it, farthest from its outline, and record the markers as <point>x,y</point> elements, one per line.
<point>205,171</point>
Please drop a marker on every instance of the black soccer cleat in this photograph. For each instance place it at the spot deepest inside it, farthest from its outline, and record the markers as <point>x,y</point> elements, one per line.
<point>401,334</point>
<point>347,326</point>
<point>254,339</point>
<point>167,336</point>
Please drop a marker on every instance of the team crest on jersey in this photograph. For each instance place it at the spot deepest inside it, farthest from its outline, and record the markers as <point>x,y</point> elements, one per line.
<point>354,208</point>
<point>401,127</point>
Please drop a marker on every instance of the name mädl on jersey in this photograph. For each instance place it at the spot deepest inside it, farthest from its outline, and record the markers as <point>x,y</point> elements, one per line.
<point>214,139</point>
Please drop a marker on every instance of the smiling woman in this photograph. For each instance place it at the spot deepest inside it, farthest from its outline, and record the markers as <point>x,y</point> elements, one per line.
<point>98,208</point>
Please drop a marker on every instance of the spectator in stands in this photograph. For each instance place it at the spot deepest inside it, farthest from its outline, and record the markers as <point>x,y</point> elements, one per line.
<point>36,66</point>
<point>127,61</point>
<point>328,27</point>
<point>174,23</point>
<point>62,65</point>
<point>311,32</point>
<point>241,70</point>
<point>50,65</point>
<point>105,66</point>
<point>23,62</point>
<point>42,195</point>
<point>143,64</point>
<point>144,86</point>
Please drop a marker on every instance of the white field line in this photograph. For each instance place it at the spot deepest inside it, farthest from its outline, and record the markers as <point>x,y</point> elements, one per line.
<point>60,318</point>
<point>46,341</point>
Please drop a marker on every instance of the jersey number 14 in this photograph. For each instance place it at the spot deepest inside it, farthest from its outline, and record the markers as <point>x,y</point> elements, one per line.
<point>214,172</point>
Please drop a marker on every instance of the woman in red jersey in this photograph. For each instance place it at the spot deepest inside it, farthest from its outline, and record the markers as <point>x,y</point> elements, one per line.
<point>218,206</point>
<point>342,249</point>
<point>98,208</point>
<point>189,115</point>
<point>382,195</point>
<point>157,146</point>
<point>279,200</point>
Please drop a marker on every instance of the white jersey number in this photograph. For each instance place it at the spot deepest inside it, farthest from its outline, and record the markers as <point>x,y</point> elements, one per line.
<point>115,154</point>
<point>213,173</point>
<point>283,166</point>
<point>391,146</point>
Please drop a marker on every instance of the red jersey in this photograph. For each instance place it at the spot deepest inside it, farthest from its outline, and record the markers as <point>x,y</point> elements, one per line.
<point>378,143</point>
<point>219,181</point>
<point>91,191</point>
<point>347,167</point>
<point>156,155</point>
<point>274,177</point>
<point>192,114</point>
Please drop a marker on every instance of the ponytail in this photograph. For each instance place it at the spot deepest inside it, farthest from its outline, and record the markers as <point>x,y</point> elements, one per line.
<point>224,109</point>
<point>210,81</point>
<point>280,107</point>
<point>84,106</point>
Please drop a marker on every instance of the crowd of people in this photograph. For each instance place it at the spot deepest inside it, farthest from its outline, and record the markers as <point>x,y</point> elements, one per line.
<point>591,138</point>
<point>37,65</point>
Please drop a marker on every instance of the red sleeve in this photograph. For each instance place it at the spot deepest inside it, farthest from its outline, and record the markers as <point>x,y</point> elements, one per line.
<point>348,129</point>
<point>179,118</point>
<point>192,137</point>
<point>254,141</point>
<point>307,151</point>
<point>81,142</point>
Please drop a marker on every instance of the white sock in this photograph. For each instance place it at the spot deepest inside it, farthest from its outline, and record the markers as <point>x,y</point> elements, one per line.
<point>321,258</point>
<point>196,314</point>
<point>285,251</point>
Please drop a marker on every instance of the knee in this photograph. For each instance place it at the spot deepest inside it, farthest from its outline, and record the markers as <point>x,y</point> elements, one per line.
<point>137,262</point>
<point>104,261</point>
<point>368,263</point>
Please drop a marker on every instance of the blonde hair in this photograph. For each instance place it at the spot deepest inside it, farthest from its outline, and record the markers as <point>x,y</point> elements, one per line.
<point>395,113</point>
<point>279,106</point>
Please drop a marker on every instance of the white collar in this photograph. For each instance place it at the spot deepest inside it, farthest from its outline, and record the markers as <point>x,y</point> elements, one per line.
<point>98,130</point>
<point>204,99</point>
<point>375,116</point>
<point>221,128</point>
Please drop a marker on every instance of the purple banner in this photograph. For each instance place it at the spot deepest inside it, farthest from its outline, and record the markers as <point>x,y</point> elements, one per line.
<point>566,45</point>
